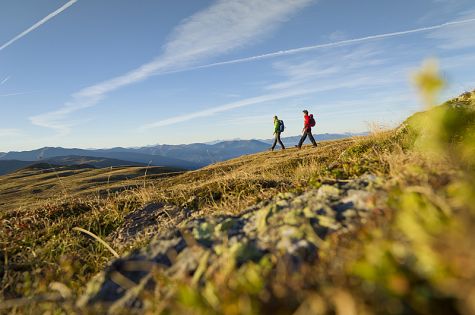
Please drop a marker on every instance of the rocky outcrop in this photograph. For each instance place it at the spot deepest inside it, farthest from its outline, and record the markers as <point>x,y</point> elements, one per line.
<point>146,223</point>
<point>290,226</point>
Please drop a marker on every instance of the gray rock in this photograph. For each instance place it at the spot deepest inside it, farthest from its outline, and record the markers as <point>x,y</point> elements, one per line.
<point>290,227</point>
<point>146,222</point>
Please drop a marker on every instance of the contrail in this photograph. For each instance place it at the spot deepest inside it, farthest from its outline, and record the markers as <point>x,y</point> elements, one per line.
<point>224,108</point>
<point>246,102</point>
<point>38,24</point>
<point>4,80</point>
<point>326,45</point>
<point>15,94</point>
<point>217,29</point>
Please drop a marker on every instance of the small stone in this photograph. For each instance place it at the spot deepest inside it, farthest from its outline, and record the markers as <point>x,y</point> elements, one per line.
<point>293,217</point>
<point>327,191</point>
<point>308,213</point>
<point>350,213</point>
<point>328,222</point>
<point>225,225</point>
<point>203,231</point>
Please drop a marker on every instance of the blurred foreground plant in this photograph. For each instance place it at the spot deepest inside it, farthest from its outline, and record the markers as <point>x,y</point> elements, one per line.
<point>423,263</point>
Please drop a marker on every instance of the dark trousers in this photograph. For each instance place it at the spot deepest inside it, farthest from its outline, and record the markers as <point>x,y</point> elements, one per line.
<point>277,138</point>
<point>310,136</point>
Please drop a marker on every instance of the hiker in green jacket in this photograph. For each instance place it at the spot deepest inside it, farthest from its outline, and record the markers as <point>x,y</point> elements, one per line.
<point>278,128</point>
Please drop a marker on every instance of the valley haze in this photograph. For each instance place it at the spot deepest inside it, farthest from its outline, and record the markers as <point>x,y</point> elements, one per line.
<point>185,156</point>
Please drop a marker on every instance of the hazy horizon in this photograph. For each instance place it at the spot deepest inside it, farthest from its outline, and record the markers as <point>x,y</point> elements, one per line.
<point>178,144</point>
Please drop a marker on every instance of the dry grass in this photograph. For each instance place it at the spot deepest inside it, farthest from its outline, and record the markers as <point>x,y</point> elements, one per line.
<point>39,246</point>
<point>30,187</point>
<point>232,186</point>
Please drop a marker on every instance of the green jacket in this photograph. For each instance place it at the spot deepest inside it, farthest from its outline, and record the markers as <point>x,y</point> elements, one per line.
<point>276,126</point>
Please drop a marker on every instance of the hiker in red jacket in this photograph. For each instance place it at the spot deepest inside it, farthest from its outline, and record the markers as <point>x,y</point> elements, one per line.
<point>308,123</point>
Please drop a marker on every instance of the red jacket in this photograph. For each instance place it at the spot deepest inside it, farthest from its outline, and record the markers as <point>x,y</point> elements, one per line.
<point>306,122</point>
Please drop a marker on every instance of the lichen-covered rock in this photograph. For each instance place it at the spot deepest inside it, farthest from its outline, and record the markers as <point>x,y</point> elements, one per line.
<point>146,222</point>
<point>289,226</point>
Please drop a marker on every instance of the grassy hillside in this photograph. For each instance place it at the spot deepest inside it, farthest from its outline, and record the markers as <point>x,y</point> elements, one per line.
<point>34,184</point>
<point>97,162</point>
<point>122,154</point>
<point>9,166</point>
<point>69,198</point>
<point>412,256</point>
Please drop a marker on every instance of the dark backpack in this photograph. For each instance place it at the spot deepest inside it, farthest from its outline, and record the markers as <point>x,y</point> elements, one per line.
<point>312,121</point>
<point>281,126</point>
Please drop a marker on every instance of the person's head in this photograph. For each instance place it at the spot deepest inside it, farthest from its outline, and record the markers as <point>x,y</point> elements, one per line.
<point>305,112</point>
<point>275,117</point>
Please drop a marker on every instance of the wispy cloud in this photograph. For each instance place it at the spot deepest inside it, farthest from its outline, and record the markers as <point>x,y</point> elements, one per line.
<point>457,61</point>
<point>38,24</point>
<point>9,132</point>
<point>335,71</point>
<point>441,9</point>
<point>226,107</point>
<point>325,66</point>
<point>333,44</point>
<point>223,27</point>
<point>337,36</point>
<point>4,80</point>
<point>351,82</point>
<point>457,36</point>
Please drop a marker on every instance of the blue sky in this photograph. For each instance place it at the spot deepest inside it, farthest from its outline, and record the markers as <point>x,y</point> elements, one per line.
<point>85,73</point>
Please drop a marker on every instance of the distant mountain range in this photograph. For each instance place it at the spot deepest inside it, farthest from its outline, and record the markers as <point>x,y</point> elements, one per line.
<point>97,162</point>
<point>183,156</point>
<point>205,154</point>
<point>291,141</point>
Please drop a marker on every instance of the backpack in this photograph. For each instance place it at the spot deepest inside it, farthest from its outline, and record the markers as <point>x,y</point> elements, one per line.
<point>281,126</point>
<point>312,121</point>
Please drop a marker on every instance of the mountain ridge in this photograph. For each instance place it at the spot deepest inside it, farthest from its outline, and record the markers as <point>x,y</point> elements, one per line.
<point>188,156</point>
